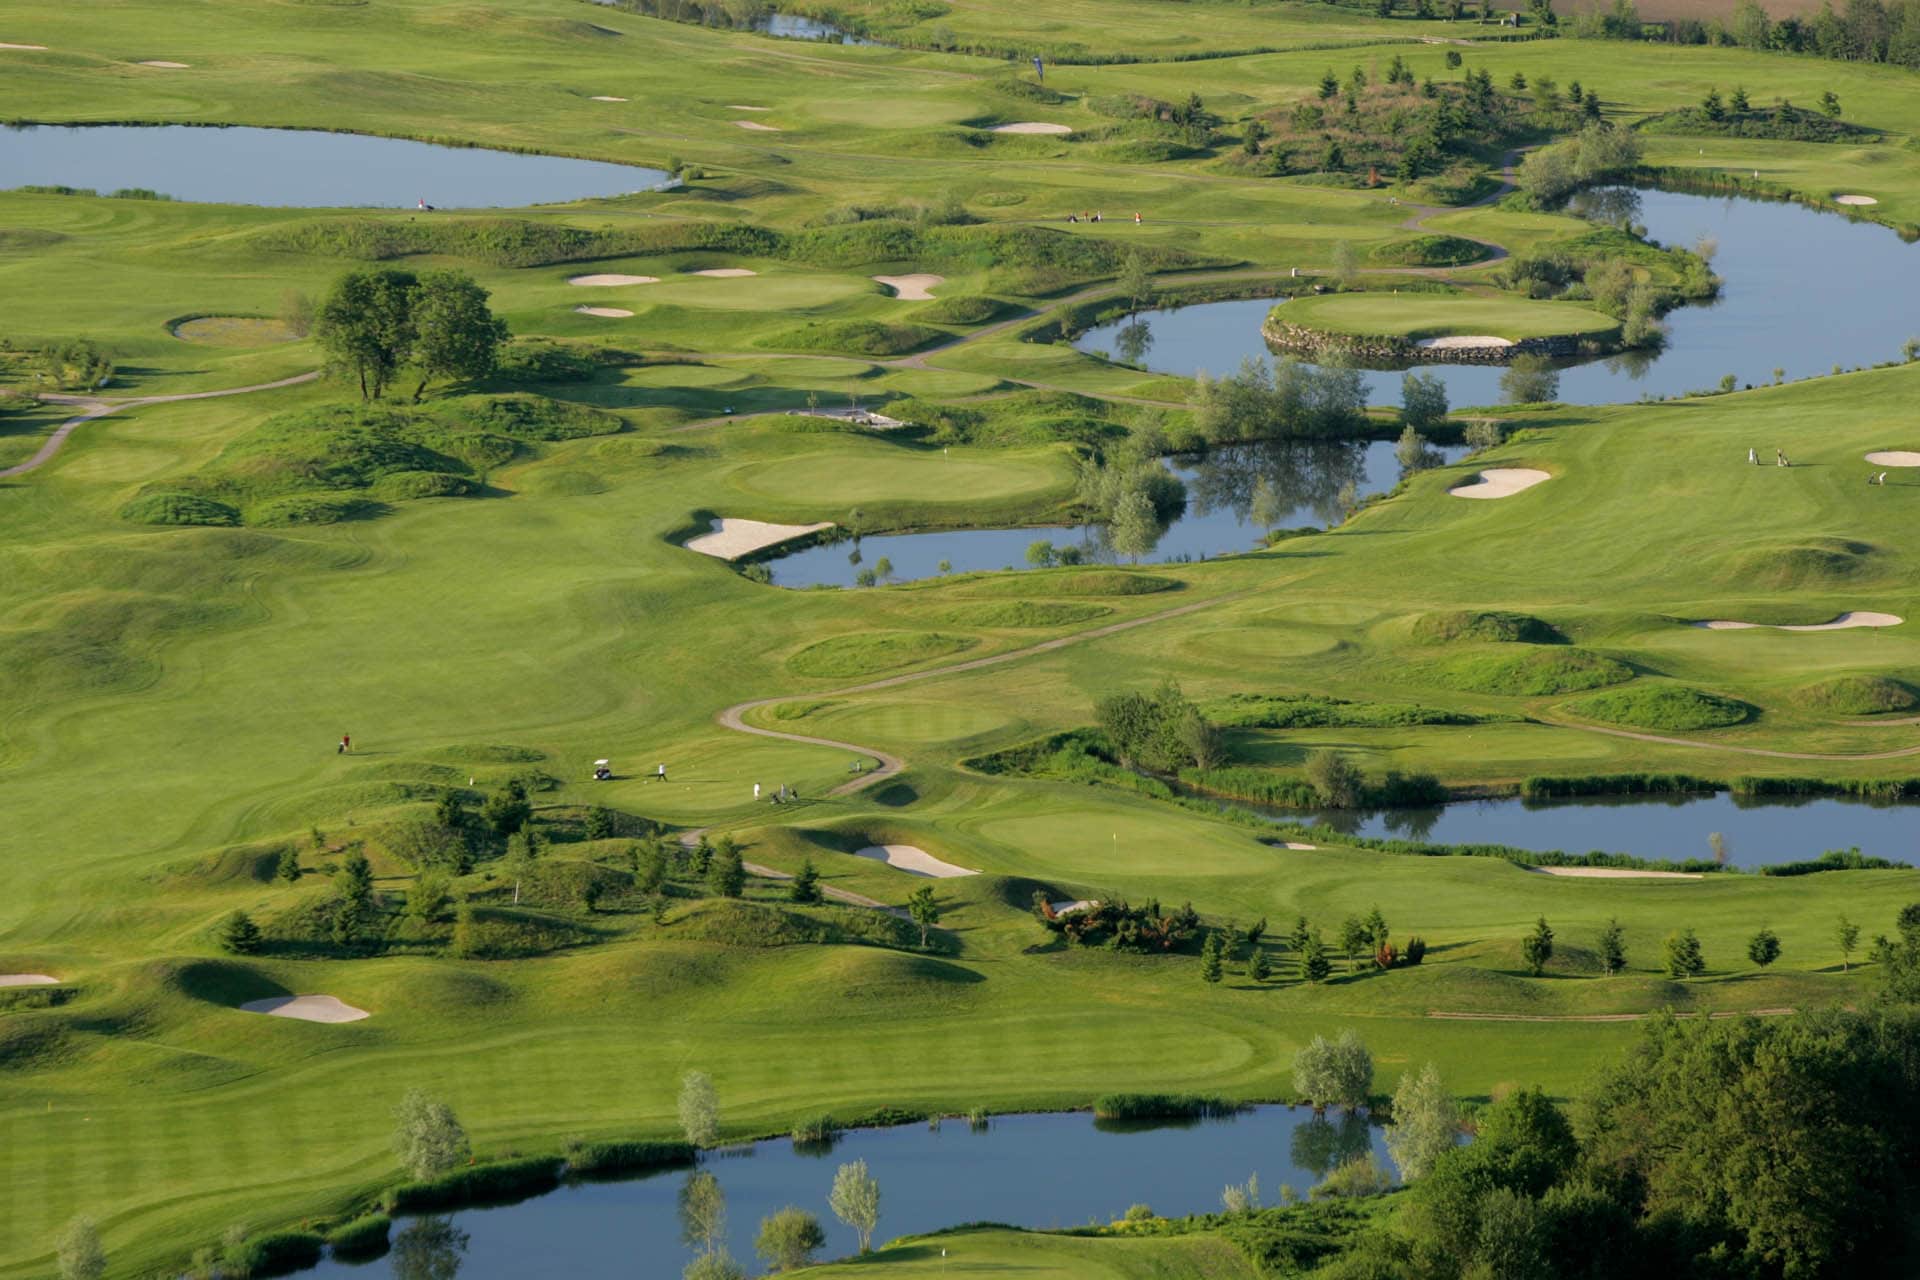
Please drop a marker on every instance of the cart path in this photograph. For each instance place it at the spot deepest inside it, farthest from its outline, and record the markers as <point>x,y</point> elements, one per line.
<point>100,406</point>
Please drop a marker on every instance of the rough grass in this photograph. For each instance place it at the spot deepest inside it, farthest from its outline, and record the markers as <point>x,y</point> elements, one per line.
<point>1529,673</point>
<point>1069,582</point>
<point>1663,706</point>
<point>1023,613</point>
<point>1429,251</point>
<point>874,652</point>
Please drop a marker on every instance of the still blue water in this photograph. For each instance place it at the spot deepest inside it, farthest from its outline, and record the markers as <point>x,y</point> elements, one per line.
<point>1803,291</point>
<point>1308,476</point>
<point>302,168</point>
<point>1033,1170</point>
<point>1677,828</point>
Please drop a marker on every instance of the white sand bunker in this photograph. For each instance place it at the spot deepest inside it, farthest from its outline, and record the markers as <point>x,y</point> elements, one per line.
<point>39,47</point>
<point>1298,845</point>
<point>171,66</point>
<point>606,97</point>
<point>1464,342</point>
<point>1845,622</point>
<point>913,288</point>
<point>1615,873</point>
<point>1894,458</point>
<point>606,313</point>
<point>306,1009</point>
<point>1078,904</point>
<point>1500,482</point>
<point>607,281</point>
<point>1855,200</point>
<point>724,273</point>
<point>1033,126</point>
<point>856,417</point>
<point>756,126</point>
<point>27,980</point>
<point>913,861</point>
<point>732,539</point>
<point>735,106</point>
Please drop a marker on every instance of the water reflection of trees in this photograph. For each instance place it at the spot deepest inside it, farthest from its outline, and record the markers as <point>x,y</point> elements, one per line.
<point>1133,341</point>
<point>1305,475</point>
<point>1613,206</point>
<point>1320,1145</point>
<point>429,1248</point>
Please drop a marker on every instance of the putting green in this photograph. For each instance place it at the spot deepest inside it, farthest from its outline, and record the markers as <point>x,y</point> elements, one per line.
<point>1423,315</point>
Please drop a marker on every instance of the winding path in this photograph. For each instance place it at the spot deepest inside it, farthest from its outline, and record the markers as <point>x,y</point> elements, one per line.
<point>100,406</point>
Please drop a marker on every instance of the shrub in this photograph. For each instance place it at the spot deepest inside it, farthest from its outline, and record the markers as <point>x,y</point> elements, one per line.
<point>361,1237</point>
<point>275,1254</point>
<point>478,1184</point>
<point>627,1157</point>
<point>1360,1176</point>
<point>1160,1106</point>
<point>1491,626</point>
<point>1336,779</point>
<point>179,509</point>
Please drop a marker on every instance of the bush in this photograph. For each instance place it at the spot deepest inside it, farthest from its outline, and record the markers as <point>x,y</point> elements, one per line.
<point>363,1237</point>
<point>1161,1106</point>
<point>524,416</point>
<point>1664,706</point>
<point>179,509</point>
<point>627,1157</point>
<point>1485,626</point>
<point>1429,251</point>
<point>276,1254</point>
<point>1835,860</point>
<point>501,1180</point>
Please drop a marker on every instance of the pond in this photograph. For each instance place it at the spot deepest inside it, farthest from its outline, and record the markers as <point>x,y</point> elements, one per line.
<point>1756,833</point>
<point>781,26</point>
<point>1307,476</point>
<point>1032,1170</point>
<point>1795,298</point>
<point>303,168</point>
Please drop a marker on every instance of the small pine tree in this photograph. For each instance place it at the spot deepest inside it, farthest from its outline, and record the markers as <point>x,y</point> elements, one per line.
<point>1212,962</point>
<point>1314,964</point>
<point>1537,947</point>
<point>1613,948</point>
<point>288,868</point>
<point>726,876</point>
<point>1764,948</point>
<point>925,911</point>
<point>1847,934</point>
<point>806,884</point>
<point>1684,958</point>
<point>239,935</point>
<point>1257,966</point>
<point>600,823</point>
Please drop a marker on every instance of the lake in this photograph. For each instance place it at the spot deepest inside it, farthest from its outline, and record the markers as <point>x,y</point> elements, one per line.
<point>1308,476</point>
<point>303,168</point>
<point>1795,298</point>
<point>1676,827</point>
<point>1030,1170</point>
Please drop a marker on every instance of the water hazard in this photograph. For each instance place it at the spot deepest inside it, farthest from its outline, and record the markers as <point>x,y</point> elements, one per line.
<point>1033,1170</point>
<point>303,168</point>
<point>1793,299</point>
<point>1308,477</point>
<point>1679,828</point>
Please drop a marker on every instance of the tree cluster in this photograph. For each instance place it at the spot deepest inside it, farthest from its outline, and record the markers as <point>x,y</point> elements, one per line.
<point>1160,731</point>
<point>374,324</point>
<point>1279,399</point>
<point>1119,925</point>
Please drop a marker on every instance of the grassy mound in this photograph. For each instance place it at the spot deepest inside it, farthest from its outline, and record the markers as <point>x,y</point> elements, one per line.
<point>1092,582</point>
<point>963,309</point>
<point>1663,706</point>
<point>753,924</point>
<point>1484,625</point>
<point>866,337</point>
<point>1429,251</point>
<point>1815,562</point>
<point>874,651</point>
<point>1025,417</point>
<point>1529,673</point>
<point>1023,613</point>
<point>328,463</point>
<point>1857,696</point>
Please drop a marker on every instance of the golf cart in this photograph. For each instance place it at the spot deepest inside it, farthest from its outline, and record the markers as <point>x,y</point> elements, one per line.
<point>602,770</point>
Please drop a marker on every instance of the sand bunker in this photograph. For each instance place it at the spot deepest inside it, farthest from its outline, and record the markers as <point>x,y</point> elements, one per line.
<point>306,1009</point>
<point>913,861</point>
<point>1464,342</point>
<point>27,980</point>
<point>40,47</point>
<point>855,417</point>
<point>724,273</point>
<point>171,66</point>
<point>1299,845</point>
<point>1845,622</point>
<point>756,126</point>
<point>1500,482</point>
<point>1078,904</point>
<point>732,539</point>
<point>606,313</point>
<point>913,288</point>
<point>735,106</point>
<point>1615,873</point>
<point>608,281</point>
<point>1855,200</point>
<point>1894,458</point>
<point>604,97</point>
<point>1033,126</point>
